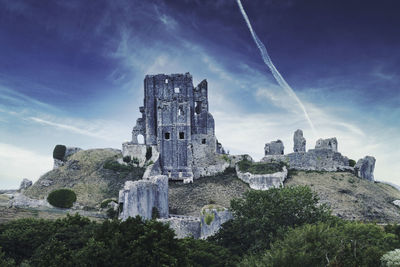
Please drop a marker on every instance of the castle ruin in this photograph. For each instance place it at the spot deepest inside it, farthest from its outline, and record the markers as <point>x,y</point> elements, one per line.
<point>175,125</point>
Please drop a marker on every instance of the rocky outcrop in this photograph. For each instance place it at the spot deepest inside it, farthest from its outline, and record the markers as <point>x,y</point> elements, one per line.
<point>25,184</point>
<point>184,226</point>
<point>274,148</point>
<point>365,168</point>
<point>299,141</point>
<point>262,181</point>
<point>212,217</point>
<point>21,201</point>
<point>69,151</point>
<point>330,143</point>
<point>140,197</point>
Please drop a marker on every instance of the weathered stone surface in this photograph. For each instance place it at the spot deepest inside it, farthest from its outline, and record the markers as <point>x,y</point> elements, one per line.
<point>140,197</point>
<point>184,226</point>
<point>330,143</point>
<point>26,183</point>
<point>365,168</point>
<point>396,202</point>
<point>176,120</point>
<point>263,181</point>
<point>319,160</point>
<point>212,217</point>
<point>274,148</point>
<point>299,141</point>
<point>45,182</point>
<point>58,163</point>
<point>19,200</point>
<point>68,152</point>
<point>135,151</point>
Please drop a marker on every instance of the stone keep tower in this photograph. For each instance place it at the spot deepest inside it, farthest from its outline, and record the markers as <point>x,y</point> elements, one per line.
<point>176,123</point>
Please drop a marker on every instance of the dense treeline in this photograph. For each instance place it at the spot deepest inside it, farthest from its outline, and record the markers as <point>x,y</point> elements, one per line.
<point>278,227</point>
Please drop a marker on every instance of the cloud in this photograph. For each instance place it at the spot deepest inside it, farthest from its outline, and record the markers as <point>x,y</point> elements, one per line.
<point>17,163</point>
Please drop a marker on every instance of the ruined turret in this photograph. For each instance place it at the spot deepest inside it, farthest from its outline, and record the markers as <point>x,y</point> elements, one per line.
<point>299,141</point>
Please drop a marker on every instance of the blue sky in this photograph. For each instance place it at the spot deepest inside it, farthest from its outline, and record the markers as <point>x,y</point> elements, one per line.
<point>71,72</point>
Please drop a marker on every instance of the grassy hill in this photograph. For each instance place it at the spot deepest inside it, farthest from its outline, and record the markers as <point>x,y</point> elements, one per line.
<point>93,174</point>
<point>351,197</point>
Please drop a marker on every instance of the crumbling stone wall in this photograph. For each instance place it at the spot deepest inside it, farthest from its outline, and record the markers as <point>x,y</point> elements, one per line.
<point>274,148</point>
<point>140,197</point>
<point>175,118</point>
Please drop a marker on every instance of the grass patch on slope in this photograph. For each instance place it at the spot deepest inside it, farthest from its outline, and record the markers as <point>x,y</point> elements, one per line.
<point>260,167</point>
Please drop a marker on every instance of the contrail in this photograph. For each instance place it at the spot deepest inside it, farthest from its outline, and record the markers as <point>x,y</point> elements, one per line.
<point>267,60</point>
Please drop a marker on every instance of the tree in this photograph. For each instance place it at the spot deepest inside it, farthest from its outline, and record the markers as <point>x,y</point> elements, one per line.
<point>327,244</point>
<point>261,216</point>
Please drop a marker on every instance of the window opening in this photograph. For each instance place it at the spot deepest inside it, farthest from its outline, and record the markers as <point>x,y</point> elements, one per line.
<point>180,111</point>
<point>198,107</point>
<point>167,136</point>
<point>203,141</point>
<point>177,90</point>
<point>181,135</point>
<point>166,80</point>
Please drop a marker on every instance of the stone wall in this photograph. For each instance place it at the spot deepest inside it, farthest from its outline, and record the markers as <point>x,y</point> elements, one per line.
<point>274,148</point>
<point>365,168</point>
<point>263,181</point>
<point>184,226</point>
<point>140,197</point>
<point>212,217</point>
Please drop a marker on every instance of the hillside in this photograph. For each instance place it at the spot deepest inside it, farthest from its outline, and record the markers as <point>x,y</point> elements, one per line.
<point>350,197</point>
<point>93,174</point>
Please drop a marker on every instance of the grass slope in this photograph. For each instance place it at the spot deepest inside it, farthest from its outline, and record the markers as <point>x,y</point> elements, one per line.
<point>189,199</point>
<point>351,197</point>
<point>86,173</point>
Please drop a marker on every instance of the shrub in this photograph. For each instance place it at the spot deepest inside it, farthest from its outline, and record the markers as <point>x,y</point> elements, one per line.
<point>115,166</point>
<point>391,259</point>
<point>112,214</point>
<point>262,216</point>
<point>209,218</point>
<point>135,160</point>
<point>149,152</point>
<point>352,162</point>
<point>59,152</point>
<point>105,203</point>
<point>127,159</point>
<point>62,198</point>
<point>328,244</point>
<point>260,167</point>
<point>155,214</point>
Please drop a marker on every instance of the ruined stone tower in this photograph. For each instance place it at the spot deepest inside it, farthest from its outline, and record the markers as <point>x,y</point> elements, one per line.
<point>176,123</point>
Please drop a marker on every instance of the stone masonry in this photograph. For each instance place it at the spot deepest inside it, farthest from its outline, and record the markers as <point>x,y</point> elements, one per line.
<point>175,121</point>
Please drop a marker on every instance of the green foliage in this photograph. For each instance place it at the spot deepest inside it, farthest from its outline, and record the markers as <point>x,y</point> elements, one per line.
<point>155,214</point>
<point>62,198</point>
<point>352,162</point>
<point>112,214</point>
<point>262,216</point>
<point>76,241</point>
<point>135,160</point>
<point>351,180</point>
<point>209,218</point>
<point>59,152</point>
<point>122,168</point>
<point>391,259</point>
<point>105,203</point>
<point>226,158</point>
<point>327,244</point>
<point>260,167</point>
<point>4,261</point>
<point>127,159</point>
<point>203,253</point>
<point>149,152</point>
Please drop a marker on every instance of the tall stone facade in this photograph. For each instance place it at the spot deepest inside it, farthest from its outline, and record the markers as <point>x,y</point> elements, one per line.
<point>175,121</point>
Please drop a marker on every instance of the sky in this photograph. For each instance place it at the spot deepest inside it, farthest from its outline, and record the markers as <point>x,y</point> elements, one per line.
<point>71,72</point>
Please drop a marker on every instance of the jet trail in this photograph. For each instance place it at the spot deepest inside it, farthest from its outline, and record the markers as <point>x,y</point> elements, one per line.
<point>267,60</point>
